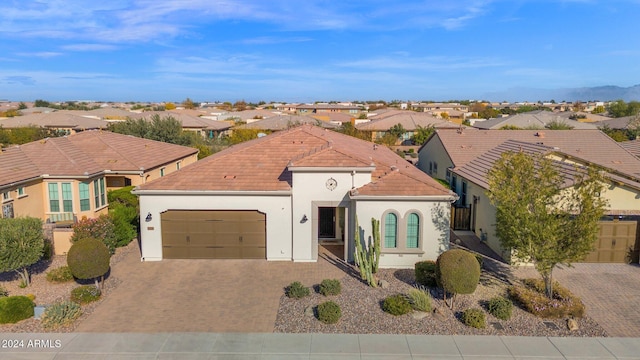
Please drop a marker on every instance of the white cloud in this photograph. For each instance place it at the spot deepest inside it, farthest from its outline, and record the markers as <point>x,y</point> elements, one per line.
<point>89,47</point>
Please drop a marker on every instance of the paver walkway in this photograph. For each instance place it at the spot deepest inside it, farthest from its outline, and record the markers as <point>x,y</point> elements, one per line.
<point>200,295</point>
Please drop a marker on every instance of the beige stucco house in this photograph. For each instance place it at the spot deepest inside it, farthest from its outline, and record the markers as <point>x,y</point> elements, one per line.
<point>281,196</point>
<point>463,157</point>
<point>61,180</point>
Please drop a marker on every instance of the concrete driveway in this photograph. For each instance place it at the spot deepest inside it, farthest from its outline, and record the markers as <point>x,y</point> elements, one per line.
<point>199,295</point>
<point>609,291</point>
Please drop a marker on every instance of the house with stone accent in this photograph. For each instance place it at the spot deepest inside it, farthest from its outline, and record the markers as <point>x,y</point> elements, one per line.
<point>281,196</point>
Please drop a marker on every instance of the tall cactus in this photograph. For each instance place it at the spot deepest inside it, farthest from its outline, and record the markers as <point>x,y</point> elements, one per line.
<point>368,258</point>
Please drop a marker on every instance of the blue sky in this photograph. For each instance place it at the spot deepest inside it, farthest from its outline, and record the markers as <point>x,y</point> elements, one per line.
<point>303,51</point>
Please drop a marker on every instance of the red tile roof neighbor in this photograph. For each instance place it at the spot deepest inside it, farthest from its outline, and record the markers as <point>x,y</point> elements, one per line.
<point>592,146</point>
<point>85,153</point>
<point>263,165</point>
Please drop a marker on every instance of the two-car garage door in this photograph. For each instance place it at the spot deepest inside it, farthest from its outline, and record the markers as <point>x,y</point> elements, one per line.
<point>213,234</point>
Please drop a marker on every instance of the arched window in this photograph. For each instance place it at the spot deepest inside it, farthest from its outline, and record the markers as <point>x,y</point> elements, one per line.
<point>413,231</point>
<point>390,231</point>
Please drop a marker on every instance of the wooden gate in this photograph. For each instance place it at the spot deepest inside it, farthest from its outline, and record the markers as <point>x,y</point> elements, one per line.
<point>461,218</point>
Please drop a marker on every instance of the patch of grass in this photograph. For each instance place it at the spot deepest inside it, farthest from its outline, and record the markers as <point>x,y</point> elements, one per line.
<point>533,299</point>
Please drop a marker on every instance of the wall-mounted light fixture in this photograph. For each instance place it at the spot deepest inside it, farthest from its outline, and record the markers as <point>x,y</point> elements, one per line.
<point>148,218</point>
<point>304,219</point>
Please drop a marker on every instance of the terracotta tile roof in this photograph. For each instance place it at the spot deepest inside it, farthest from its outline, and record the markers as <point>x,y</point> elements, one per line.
<point>263,165</point>
<point>283,122</point>
<point>187,121</point>
<point>410,120</point>
<point>85,153</point>
<point>533,119</point>
<point>632,146</point>
<point>54,120</point>
<point>586,145</point>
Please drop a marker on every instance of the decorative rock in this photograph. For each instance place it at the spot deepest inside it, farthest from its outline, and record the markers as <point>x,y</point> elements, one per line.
<point>418,315</point>
<point>437,314</point>
<point>383,284</point>
<point>308,311</point>
<point>572,325</point>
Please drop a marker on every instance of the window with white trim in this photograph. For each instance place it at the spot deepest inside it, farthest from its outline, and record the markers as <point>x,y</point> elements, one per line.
<point>60,192</point>
<point>178,165</point>
<point>99,193</point>
<point>162,172</point>
<point>85,203</point>
<point>20,191</point>
<point>6,196</point>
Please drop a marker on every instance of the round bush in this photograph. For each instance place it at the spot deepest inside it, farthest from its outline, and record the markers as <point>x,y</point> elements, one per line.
<point>330,287</point>
<point>474,318</point>
<point>500,307</point>
<point>458,271</point>
<point>329,312</point>
<point>85,294</point>
<point>60,275</point>
<point>15,308</point>
<point>296,290</point>
<point>60,314</point>
<point>396,305</point>
<point>88,259</point>
<point>425,272</point>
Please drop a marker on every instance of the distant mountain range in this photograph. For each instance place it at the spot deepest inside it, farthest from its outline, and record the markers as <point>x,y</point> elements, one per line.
<point>599,93</point>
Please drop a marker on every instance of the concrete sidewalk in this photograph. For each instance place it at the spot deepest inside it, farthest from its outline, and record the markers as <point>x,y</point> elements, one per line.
<point>308,346</point>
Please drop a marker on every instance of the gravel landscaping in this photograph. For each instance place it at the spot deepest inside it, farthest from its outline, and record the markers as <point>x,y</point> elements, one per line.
<point>362,312</point>
<point>48,293</point>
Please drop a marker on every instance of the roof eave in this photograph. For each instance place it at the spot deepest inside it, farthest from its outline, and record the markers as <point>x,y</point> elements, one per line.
<point>137,191</point>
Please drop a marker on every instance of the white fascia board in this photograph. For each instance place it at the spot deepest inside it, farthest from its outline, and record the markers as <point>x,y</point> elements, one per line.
<point>211,192</point>
<point>448,198</point>
<point>329,169</point>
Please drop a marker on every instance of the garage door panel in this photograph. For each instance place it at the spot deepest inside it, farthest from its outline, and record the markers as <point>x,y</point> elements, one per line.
<point>213,234</point>
<point>616,241</point>
<point>175,252</point>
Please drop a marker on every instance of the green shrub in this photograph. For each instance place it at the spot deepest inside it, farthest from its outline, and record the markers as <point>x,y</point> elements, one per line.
<point>21,245</point>
<point>296,290</point>
<point>59,275</point>
<point>15,308</point>
<point>85,294</point>
<point>457,272</point>
<point>101,228</point>
<point>47,250</point>
<point>425,272</point>
<point>474,318</point>
<point>500,307</point>
<point>420,300</point>
<point>329,312</point>
<point>396,305</point>
<point>88,259</point>
<point>330,287</point>
<point>532,297</point>
<point>121,216</point>
<point>60,314</point>
<point>3,292</point>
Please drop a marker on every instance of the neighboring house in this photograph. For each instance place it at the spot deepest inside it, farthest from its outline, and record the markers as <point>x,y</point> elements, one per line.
<point>334,118</point>
<point>65,178</point>
<point>379,125</point>
<point>283,122</point>
<point>280,196</point>
<point>204,127</point>
<point>538,119</point>
<point>61,180</point>
<point>463,158</point>
<point>63,123</point>
<point>621,123</point>
<point>247,116</point>
<point>307,109</point>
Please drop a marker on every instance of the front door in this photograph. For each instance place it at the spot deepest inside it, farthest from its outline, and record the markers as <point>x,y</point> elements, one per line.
<point>326,223</point>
